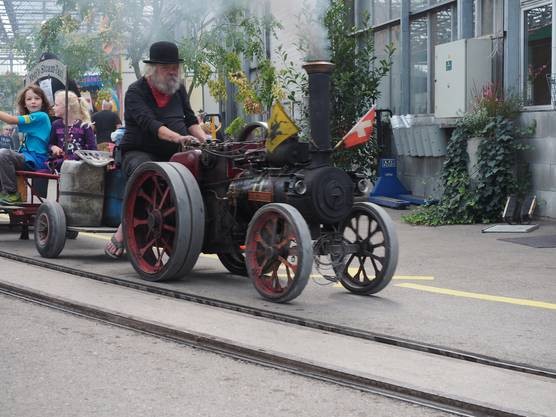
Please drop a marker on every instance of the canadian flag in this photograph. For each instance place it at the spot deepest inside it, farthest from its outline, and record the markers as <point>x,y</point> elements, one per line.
<point>361,132</point>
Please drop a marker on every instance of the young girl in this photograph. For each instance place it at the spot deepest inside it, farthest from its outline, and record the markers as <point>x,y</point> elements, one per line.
<point>34,122</point>
<point>80,130</point>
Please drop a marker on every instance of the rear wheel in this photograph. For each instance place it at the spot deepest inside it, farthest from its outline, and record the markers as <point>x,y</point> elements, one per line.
<point>50,229</point>
<point>278,253</point>
<point>72,234</point>
<point>234,261</point>
<point>163,220</point>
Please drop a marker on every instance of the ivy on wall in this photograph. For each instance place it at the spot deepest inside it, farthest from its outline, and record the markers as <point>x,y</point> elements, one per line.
<point>499,172</point>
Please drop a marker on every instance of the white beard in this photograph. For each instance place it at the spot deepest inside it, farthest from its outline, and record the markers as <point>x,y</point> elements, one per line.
<point>167,85</point>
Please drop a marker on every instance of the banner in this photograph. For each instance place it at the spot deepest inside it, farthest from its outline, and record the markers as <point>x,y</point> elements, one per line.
<point>280,127</point>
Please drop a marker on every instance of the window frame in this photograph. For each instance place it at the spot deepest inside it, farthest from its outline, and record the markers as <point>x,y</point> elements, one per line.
<point>527,5</point>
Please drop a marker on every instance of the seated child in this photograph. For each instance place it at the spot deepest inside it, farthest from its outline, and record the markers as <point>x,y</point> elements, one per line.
<point>34,123</point>
<point>80,134</point>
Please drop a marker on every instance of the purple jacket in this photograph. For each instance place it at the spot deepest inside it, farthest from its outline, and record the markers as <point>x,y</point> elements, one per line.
<point>79,137</point>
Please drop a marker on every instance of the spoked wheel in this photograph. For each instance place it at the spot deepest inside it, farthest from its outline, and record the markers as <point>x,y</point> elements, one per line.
<point>163,220</point>
<point>234,261</point>
<point>50,229</point>
<point>279,252</point>
<point>371,234</point>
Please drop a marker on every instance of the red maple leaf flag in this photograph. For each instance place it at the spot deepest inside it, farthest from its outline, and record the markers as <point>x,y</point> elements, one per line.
<point>361,132</point>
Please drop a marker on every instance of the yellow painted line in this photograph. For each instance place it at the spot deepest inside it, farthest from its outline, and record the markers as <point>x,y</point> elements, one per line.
<point>403,277</point>
<point>96,235</point>
<point>478,296</point>
<point>414,277</point>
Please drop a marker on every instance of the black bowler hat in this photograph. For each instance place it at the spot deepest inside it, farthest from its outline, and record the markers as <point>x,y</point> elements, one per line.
<point>163,53</point>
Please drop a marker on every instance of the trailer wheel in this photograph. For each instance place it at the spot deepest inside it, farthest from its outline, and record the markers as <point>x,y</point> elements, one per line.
<point>371,267</point>
<point>279,252</point>
<point>233,262</point>
<point>163,220</point>
<point>50,229</point>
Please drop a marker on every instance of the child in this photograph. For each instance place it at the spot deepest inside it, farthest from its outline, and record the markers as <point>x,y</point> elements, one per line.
<point>80,130</point>
<point>34,122</point>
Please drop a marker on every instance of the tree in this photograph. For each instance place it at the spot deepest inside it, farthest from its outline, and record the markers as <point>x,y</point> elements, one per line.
<point>215,46</point>
<point>355,81</point>
<point>10,84</point>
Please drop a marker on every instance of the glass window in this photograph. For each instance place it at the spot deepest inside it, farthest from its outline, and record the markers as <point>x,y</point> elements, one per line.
<point>441,27</point>
<point>380,11</point>
<point>419,69</point>
<point>395,83</point>
<point>362,8</point>
<point>381,39</point>
<point>441,32</point>
<point>395,9</point>
<point>538,45</point>
<point>416,5</point>
<point>487,17</point>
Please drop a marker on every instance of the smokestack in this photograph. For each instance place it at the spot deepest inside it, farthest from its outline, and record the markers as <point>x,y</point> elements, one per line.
<point>319,110</point>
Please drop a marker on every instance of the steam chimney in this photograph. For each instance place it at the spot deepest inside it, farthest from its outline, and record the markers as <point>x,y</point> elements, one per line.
<point>319,110</point>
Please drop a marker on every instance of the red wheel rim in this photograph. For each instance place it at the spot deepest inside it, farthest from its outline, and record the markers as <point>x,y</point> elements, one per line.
<point>272,253</point>
<point>151,229</point>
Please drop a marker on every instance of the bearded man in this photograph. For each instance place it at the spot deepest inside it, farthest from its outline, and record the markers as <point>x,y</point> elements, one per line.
<point>158,119</point>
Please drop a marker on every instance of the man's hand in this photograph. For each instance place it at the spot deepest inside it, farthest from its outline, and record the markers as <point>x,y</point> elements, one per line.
<point>188,140</point>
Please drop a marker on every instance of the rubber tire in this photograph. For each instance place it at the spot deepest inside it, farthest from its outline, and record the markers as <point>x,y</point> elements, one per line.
<point>72,234</point>
<point>190,221</point>
<point>50,229</point>
<point>233,262</point>
<point>305,264</point>
<point>388,229</point>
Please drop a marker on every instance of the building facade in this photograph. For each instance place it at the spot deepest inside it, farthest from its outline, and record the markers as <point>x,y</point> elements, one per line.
<point>508,42</point>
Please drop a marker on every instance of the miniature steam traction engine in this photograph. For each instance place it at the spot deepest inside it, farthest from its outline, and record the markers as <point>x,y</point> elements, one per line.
<point>265,214</point>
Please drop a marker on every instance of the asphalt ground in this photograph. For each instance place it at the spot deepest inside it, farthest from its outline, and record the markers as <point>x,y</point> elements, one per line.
<point>60,365</point>
<point>454,286</point>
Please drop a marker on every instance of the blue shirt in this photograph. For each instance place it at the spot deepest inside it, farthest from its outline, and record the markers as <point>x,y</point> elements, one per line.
<point>36,127</point>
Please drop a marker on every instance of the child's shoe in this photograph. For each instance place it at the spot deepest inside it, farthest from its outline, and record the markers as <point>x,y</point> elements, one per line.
<point>14,198</point>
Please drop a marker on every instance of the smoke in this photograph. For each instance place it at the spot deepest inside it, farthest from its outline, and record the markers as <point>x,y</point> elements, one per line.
<point>311,31</point>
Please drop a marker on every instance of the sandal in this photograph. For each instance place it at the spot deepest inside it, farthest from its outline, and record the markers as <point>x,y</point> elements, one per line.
<point>119,252</point>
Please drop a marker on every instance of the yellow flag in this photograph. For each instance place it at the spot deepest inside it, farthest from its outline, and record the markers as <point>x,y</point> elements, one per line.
<point>280,127</point>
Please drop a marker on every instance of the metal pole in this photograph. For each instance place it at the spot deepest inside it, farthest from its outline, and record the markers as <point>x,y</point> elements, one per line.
<point>66,115</point>
<point>553,58</point>
<point>405,58</point>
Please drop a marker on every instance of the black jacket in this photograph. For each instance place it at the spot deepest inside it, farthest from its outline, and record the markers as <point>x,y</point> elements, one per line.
<point>143,119</point>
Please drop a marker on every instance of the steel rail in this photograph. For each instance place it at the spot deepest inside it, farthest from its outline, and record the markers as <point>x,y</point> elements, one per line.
<point>260,357</point>
<point>296,320</point>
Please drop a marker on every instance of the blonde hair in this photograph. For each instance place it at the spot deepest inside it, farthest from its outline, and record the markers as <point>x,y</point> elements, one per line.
<point>77,106</point>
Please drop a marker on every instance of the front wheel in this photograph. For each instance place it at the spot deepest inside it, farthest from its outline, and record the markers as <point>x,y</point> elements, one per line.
<point>50,229</point>
<point>279,252</point>
<point>372,263</point>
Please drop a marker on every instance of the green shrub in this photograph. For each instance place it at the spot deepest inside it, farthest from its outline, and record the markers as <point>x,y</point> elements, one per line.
<point>498,171</point>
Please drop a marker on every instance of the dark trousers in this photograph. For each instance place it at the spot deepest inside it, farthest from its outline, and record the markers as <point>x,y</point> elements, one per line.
<point>132,159</point>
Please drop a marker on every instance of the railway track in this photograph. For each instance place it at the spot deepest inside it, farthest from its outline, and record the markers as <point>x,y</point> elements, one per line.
<point>264,357</point>
<point>290,319</point>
